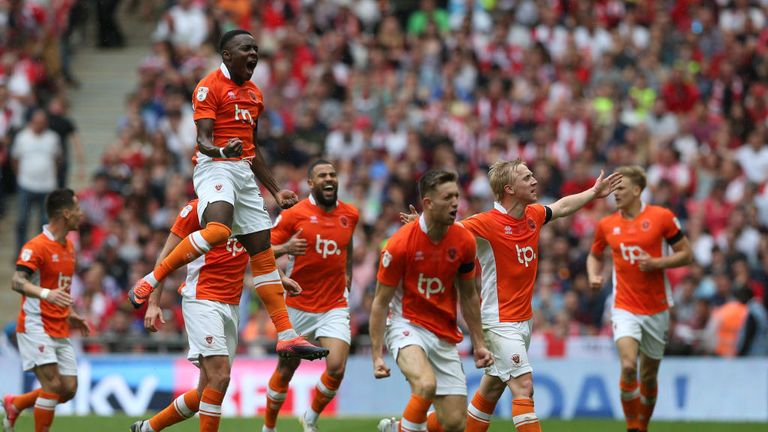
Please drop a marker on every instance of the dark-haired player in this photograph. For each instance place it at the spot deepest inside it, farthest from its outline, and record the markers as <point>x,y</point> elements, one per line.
<point>427,268</point>
<point>317,234</point>
<point>226,108</point>
<point>43,277</point>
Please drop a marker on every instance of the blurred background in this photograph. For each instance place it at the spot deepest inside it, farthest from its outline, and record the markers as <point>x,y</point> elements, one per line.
<point>388,89</point>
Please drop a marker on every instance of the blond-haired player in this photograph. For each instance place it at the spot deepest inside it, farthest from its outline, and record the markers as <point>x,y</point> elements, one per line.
<point>639,236</point>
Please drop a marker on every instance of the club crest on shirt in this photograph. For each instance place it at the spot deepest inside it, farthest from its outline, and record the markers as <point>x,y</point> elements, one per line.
<point>452,254</point>
<point>202,93</point>
<point>252,95</point>
<point>209,339</point>
<point>344,222</point>
<point>531,224</point>
<point>386,259</point>
<point>645,225</point>
<point>26,254</point>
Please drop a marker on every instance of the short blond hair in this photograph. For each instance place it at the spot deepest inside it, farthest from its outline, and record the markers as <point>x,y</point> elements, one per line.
<point>502,173</point>
<point>635,174</point>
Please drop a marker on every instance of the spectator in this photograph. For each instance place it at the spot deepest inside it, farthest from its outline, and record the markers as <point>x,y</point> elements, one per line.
<point>66,129</point>
<point>753,337</point>
<point>36,153</point>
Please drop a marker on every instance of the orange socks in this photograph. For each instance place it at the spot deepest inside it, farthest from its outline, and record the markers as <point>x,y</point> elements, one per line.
<point>45,408</point>
<point>415,414</point>
<point>266,281</point>
<point>210,410</point>
<point>432,424</point>
<point>479,414</point>
<point>192,247</point>
<point>26,400</point>
<point>276,392</point>
<point>630,401</point>
<point>182,408</point>
<point>647,403</point>
<point>524,417</point>
<point>324,393</point>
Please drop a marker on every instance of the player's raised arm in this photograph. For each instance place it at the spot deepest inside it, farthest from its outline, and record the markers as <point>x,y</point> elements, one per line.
<point>285,198</point>
<point>603,187</point>
<point>377,324</point>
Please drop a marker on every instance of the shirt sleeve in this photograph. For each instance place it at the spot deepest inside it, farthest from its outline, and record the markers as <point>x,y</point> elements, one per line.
<point>283,229</point>
<point>539,214</point>
<point>467,268</point>
<point>673,230</point>
<point>31,257</point>
<point>186,222</point>
<point>599,243</point>
<point>474,225</point>
<point>391,264</point>
<point>204,101</point>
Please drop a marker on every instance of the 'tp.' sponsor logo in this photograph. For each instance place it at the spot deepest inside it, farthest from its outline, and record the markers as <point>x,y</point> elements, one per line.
<point>631,253</point>
<point>525,255</point>
<point>429,286</point>
<point>326,247</point>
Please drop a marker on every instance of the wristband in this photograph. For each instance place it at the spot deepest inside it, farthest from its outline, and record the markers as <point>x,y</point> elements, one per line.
<point>221,152</point>
<point>44,293</point>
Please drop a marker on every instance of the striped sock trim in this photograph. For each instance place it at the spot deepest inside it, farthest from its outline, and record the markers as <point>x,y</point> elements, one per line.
<point>181,407</point>
<point>410,426</point>
<point>210,409</point>
<point>526,418</point>
<point>267,278</point>
<point>276,395</point>
<point>478,415</point>
<point>46,404</point>
<point>629,395</point>
<point>199,243</point>
<point>325,390</point>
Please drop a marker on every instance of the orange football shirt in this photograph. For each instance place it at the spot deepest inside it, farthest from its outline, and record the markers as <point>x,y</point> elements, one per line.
<point>636,291</point>
<point>508,251</point>
<point>233,108</point>
<point>218,275</point>
<point>52,265</point>
<point>321,272</point>
<point>424,273</point>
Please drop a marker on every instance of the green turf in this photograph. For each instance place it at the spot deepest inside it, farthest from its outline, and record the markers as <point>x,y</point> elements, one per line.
<point>289,424</point>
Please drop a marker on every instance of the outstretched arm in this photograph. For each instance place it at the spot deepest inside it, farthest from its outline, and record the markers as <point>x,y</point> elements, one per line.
<point>603,187</point>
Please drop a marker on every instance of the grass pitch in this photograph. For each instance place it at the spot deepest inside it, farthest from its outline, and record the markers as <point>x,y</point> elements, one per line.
<point>120,423</point>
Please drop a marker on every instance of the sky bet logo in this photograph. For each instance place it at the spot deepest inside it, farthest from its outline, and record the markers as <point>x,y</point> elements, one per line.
<point>430,286</point>
<point>326,247</point>
<point>525,255</point>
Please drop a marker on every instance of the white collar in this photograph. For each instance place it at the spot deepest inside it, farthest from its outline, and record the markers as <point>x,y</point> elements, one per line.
<point>497,205</point>
<point>48,232</point>
<point>225,71</point>
<point>423,224</point>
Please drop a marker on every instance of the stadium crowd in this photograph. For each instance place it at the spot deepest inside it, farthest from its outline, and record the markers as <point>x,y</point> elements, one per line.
<point>389,89</point>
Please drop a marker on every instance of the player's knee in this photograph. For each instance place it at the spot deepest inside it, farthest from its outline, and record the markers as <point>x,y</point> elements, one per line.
<point>286,368</point>
<point>54,385</point>
<point>454,422</point>
<point>216,233</point>
<point>424,387</point>
<point>219,382</point>
<point>336,371</point>
<point>628,367</point>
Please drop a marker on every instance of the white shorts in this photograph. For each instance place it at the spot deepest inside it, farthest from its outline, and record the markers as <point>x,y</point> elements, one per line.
<point>332,324</point>
<point>233,182</point>
<point>509,343</point>
<point>442,355</point>
<point>650,331</point>
<point>41,349</point>
<point>211,328</point>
